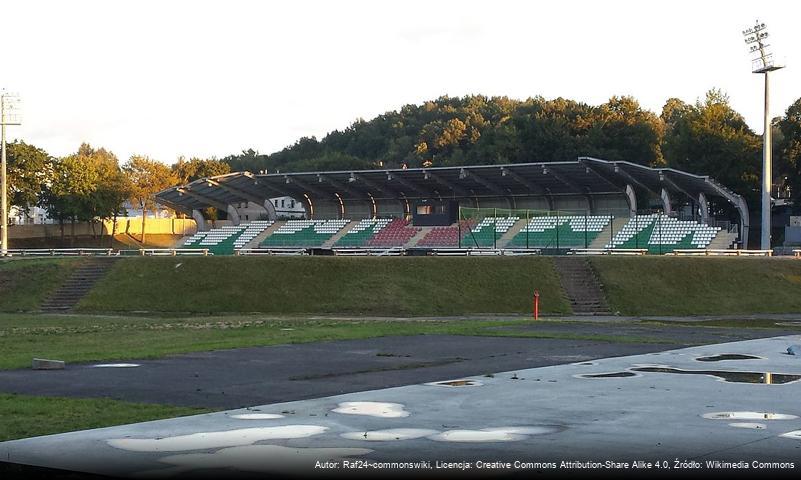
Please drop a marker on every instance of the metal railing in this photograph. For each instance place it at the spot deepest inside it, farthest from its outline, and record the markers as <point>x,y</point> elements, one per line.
<point>271,251</point>
<point>726,253</point>
<point>59,252</point>
<point>608,251</point>
<point>482,252</point>
<point>375,252</point>
<point>172,252</point>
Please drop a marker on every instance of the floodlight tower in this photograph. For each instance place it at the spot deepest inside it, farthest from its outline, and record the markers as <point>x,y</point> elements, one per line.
<point>8,116</point>
<point>756,37</point>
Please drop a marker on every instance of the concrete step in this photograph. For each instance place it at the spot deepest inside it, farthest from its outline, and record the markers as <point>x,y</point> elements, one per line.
<point>510,234</point>
<point>78,284</point>
<point>266,233</point>
<point>581,286</point>
<point>417,237</point>
<point>341,233</point>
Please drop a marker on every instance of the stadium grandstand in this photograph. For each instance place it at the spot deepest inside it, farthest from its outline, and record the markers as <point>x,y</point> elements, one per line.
<point>554,207</point>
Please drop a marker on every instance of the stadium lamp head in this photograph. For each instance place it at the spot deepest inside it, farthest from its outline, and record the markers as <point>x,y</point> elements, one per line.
<point>755,37</point>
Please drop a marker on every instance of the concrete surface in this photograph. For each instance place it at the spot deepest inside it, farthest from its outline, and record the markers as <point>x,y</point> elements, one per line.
<point>252,376</point>
<point>534,415</point>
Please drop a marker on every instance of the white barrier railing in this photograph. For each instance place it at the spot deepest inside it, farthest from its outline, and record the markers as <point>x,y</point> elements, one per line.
<point>374,252</point>
<point>726,253</point>
<point>172,252</point>
<point>482,252</point>
<point>59,252</point>
<point>271,251</point>
<point>609,251</point>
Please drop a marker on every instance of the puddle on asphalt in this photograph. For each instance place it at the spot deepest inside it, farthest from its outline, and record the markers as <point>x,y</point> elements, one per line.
<point>495,434</point>
<point>607,375</point>
<point>204,440</point>
<point>795,434</point>
<point>116,365</point>
<point>389,434</point>
<point>729,376</point>
<point>748,416</point>
<point>257,416</point>
<point>456,383</point>
<point>373,409</point>
<point>728,356</point>
<point>253,458</point>
<point>754,426</point>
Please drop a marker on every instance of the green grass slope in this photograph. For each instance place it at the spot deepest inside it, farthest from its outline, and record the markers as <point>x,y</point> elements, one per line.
<point>25,283</point>
<point>698,286</point>
<point>328,285</point>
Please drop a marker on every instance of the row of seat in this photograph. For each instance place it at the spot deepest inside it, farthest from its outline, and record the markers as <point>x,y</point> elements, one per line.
<point>657,233</point>
<point>362,232</point>
<point>662,234</point>
<point>304,233</point>
<point>226,239</point>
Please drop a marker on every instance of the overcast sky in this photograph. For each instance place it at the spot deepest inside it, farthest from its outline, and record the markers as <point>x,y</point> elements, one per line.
<point>210,78</point>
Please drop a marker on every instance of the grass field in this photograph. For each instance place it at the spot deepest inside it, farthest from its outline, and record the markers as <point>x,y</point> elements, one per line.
<point>29,416</point>
<point>329,285</point>
<point>698,286</point>
<point>25,283</point>
<point>81,338</point>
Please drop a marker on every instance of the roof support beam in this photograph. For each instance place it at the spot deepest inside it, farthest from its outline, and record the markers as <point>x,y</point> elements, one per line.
<point>464,173</point>
<point>631,180</point>
<point>236,191</point>
<point>456,190</point>
<point>600,173</point>
<point>373,185</point>
<point>549,170</point>
<point>175,206</point>
<point>265,187</point>
<point>305,186</point>
<point>203,198</point>
<point>391,176</point>
<point>341,188</point>
<point>666,180</point>
<point>532,187</point>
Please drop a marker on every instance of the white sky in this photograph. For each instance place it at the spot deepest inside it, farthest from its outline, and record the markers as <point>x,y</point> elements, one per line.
<point>210,78</point>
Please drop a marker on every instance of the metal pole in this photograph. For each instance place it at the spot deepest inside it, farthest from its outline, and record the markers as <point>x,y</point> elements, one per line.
<point>766,170</point>
<point>3,186</point>
<point>495,228</point>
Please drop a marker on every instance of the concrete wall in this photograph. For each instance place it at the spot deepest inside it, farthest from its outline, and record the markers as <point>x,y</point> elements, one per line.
<point>132,225</point>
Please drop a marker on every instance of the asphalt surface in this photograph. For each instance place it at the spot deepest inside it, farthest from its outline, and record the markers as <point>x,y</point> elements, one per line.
<point>253,376</point>
<point>689,423</point>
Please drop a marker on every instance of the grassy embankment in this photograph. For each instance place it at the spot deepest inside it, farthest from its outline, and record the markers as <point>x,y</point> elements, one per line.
<point>680,286</point>
<point>423,286</point>
<point>26,282</point>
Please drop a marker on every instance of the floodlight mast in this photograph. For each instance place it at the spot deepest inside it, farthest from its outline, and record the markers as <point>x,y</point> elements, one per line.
<point>756,37</point>
<point>8,105</point>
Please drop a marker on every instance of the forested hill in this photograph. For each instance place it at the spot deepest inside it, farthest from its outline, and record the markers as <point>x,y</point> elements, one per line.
<point>707,137</point>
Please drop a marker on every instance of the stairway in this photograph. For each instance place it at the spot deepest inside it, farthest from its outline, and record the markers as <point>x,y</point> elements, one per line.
<point>605,236</point>
<point>722,241</point>
<point>581,285</point>
<point>78,284</point>
<point>341,233</point>
<point>256,242</point>
<point>510,234</point>
<point>417,237</point>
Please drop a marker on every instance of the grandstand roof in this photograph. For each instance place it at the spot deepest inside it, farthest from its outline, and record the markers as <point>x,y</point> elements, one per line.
<point>584,176</point>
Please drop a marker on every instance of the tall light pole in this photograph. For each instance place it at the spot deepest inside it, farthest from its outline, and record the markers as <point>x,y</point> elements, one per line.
<point>756,37</point>
<point>8,116</point>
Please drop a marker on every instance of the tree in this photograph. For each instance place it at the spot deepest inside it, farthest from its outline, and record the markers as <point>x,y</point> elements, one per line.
<point>710,138</point>
<point>789,150</point>
<point>147,177</point>
<point>66,194</point>
<point>29,169</point>
<point>195,168</point>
